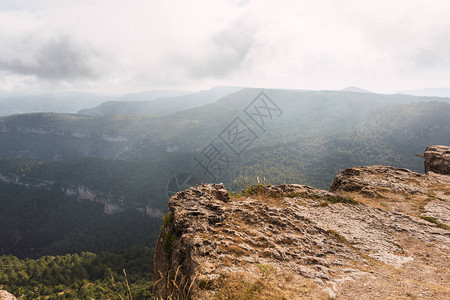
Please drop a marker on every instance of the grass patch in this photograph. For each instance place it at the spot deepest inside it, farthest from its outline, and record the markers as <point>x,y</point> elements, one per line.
<point>168,219</point>
<point>265,270</point>
<point>237,286</point>
<point>170,239</point>
<point>434,221</point>
<point>178,286</point>
<point>341,199</point>
<point>262,191</point>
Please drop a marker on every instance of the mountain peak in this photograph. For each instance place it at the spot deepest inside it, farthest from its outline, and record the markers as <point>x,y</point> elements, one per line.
<point>355,89</point>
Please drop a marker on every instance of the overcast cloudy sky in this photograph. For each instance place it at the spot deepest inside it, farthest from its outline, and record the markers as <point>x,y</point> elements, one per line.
<point>123,46</point>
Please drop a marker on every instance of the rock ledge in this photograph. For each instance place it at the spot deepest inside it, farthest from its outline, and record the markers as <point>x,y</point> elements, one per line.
<point>380,232</point>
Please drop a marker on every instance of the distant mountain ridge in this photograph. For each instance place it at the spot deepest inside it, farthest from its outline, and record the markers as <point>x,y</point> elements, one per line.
<point>151,95</point>
<point>160,105</point>
<point>66,102</point>
<point>69,102</point>
<point>429,92</point>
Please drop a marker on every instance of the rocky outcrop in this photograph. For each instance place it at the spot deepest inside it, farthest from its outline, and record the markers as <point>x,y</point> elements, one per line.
<point>372,179</point>
<point>4,295</point>
<point>437,159</point>
<point>380,232</point>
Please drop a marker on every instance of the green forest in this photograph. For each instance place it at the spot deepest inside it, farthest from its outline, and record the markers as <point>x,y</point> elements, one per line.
<point>41,222</point>
<point>80,276</point>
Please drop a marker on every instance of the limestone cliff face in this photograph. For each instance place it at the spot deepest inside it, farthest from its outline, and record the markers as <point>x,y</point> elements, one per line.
<point>380,232</point>
<point>111,204</point>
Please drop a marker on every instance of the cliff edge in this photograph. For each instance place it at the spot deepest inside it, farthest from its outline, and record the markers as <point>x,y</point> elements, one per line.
<point>380,232</point>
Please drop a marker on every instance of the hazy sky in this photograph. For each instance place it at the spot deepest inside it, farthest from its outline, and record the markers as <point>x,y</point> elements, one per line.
<point>123,46</point>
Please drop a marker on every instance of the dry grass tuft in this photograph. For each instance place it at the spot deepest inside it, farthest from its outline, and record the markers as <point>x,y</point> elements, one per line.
<point>266,283</point>
<point>177,285</point>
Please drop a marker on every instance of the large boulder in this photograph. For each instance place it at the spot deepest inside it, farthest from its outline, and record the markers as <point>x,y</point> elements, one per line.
<point>370,180</point>
<point>437,159</point>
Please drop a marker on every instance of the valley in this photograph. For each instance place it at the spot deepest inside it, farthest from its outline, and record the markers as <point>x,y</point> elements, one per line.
<point>72,183</point>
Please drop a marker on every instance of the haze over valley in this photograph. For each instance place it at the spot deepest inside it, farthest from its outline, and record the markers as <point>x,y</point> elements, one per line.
<point>108,111</point>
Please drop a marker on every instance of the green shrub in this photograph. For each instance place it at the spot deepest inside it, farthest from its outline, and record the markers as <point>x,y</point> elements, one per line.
<point>168,219</point>
<point>434,221</point>
<point>169,242</point>
<point>254,190</point>
<point>260,190</point>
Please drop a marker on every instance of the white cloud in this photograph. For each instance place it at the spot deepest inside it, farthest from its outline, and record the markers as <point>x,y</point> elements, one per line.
<point>113,46</point>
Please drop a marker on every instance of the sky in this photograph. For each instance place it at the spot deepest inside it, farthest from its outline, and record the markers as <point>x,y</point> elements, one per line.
<point>114,47</point>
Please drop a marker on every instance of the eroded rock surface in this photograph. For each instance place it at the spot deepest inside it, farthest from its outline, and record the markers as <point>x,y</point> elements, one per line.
<point>313,248</point>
